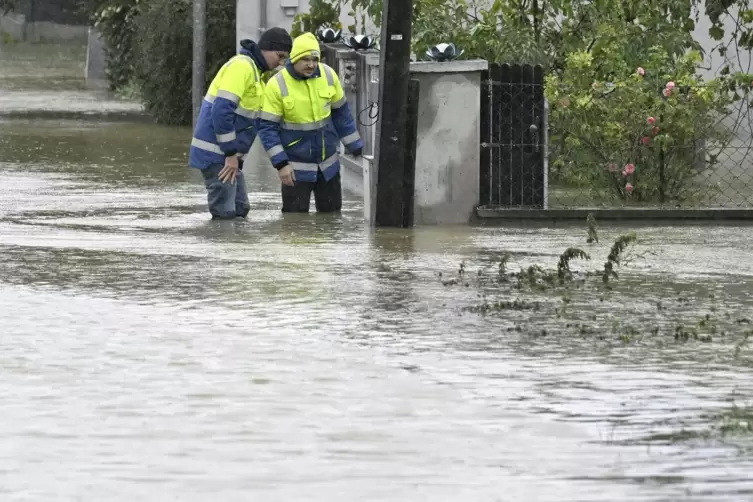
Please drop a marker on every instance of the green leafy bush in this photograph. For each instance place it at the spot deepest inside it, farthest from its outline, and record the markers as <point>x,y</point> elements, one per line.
<point>475,27</point>
<point>322,13</point>
<point>640,133</point>
<point>164,43</point>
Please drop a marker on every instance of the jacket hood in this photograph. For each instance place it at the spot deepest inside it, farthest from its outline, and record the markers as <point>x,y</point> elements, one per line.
<point>251,49</point>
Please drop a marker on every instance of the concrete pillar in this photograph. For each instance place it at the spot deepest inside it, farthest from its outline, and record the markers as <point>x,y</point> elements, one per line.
<point>449,135</point>
<point>252,16</point>
<point>96,77</point>
<point>448,152</point>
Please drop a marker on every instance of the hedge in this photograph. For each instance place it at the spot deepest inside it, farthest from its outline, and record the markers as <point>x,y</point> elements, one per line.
<point>164,54</point>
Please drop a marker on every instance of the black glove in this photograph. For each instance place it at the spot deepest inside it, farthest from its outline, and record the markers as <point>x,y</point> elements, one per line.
<point>281,165</point>
<point>357,153</point>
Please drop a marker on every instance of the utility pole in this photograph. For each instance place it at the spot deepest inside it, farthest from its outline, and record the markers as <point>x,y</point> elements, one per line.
<point>394,78</point>
<point>199,54</point>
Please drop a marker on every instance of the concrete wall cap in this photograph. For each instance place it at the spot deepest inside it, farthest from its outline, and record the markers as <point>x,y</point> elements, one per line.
<point>461,66</point>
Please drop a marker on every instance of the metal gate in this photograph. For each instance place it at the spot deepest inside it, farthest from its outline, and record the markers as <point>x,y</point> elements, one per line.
<point>513,137</point>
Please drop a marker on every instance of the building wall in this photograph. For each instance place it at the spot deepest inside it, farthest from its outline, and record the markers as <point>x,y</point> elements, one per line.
<point>278,13</point>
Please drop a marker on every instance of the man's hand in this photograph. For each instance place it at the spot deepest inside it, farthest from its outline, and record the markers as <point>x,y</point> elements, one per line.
<point>357,153</point>
<point>287,175</point>
<point>230,171</point>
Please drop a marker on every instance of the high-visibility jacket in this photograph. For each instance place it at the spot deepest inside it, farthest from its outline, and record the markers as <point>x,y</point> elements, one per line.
<point>303,120</point>
<point>228,120</point>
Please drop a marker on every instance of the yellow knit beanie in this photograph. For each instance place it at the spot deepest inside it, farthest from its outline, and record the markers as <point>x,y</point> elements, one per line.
<point>304,46</point>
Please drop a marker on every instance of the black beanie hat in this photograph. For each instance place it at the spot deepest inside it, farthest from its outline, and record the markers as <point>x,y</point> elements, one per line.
<point>276,39</point>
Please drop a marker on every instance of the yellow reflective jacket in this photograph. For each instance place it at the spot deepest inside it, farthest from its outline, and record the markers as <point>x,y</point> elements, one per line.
<point>304,120</point>
<point>228,119</point>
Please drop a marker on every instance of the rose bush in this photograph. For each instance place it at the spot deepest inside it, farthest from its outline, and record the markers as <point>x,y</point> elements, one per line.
<point>658,120</point>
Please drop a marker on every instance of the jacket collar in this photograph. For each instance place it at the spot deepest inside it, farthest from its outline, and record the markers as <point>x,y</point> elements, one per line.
<point>289,66</point>
<point>250,49</point>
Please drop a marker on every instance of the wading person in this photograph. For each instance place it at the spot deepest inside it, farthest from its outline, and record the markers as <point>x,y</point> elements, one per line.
<point>228,122</point>
<point>304,118</point>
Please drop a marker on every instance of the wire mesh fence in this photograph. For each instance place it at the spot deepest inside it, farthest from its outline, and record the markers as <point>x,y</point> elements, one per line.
<point>613,145</point>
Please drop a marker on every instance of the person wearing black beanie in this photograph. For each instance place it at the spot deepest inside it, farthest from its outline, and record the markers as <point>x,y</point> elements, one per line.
<point>228,122</point>
<point>276,39</point>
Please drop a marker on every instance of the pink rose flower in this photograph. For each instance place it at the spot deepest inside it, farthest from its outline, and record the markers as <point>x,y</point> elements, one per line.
<point>651,121</point>
<point>641,71</point>
<point>629,187</point>
<point>629,169</point>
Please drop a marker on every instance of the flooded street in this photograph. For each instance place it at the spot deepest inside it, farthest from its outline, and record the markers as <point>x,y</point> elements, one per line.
<point>151,354</point>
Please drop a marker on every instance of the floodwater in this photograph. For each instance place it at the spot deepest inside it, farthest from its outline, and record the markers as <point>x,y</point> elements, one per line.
<point>149,353</point>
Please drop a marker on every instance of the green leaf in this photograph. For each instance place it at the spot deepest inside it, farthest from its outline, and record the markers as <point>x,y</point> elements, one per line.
<point>716,33</point>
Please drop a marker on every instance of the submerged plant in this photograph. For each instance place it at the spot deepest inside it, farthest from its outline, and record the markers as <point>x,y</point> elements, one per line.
<point>615,255</point>
<point>504,259</point>
<point>742,344</point>
<point>593,235</point>
<point>736,421</point>
<point>563,267</point>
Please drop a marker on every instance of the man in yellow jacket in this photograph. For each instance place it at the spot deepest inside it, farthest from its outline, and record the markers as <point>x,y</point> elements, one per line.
<point>304,118</point>
<point>228,122</point>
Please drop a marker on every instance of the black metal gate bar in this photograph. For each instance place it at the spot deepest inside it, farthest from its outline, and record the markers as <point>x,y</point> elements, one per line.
<point>538,190</point>
<point>512,134</point>
<point>485,154</point>
<point>500,129</point>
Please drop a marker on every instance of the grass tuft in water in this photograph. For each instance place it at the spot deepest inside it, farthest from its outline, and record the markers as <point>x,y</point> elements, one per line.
<point>593,234</point>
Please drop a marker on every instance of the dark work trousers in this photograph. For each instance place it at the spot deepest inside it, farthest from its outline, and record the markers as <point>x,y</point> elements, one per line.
<point>226,201</point>
<point>328,196</point>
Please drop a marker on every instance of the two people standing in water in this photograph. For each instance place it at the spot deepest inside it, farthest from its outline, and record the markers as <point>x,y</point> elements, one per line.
<point>301,116</point>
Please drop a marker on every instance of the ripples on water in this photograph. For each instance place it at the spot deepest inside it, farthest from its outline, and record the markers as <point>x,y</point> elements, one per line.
<point>148,353</point>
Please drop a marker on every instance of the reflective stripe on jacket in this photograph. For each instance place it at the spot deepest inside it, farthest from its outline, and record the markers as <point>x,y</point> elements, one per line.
<point>228,120</point>
<point>303,120</point>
